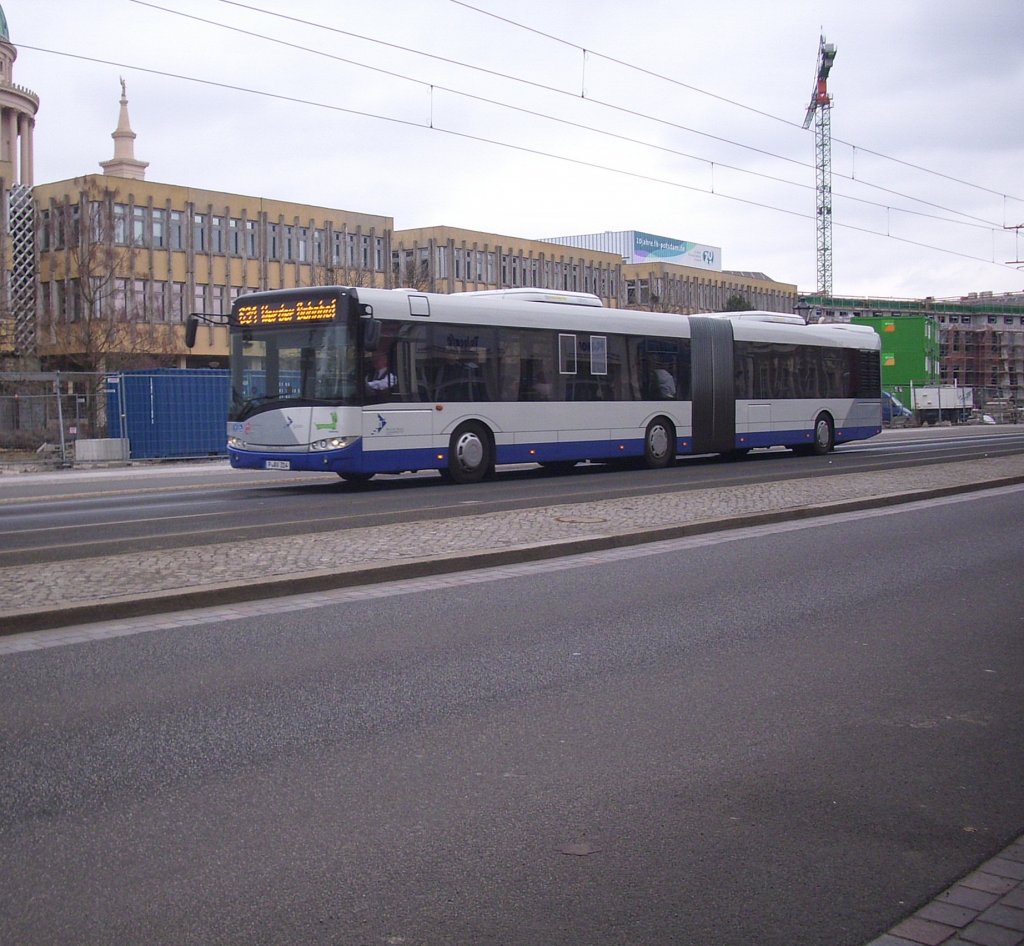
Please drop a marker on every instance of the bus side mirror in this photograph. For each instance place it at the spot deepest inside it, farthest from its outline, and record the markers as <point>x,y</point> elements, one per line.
<point>371,334</point>
<point>191,327</point>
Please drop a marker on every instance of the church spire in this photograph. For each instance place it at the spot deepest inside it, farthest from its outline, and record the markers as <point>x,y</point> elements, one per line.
<point>124,163</point>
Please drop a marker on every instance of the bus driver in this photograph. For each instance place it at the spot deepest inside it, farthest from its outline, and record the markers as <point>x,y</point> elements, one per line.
<point>380,380</point>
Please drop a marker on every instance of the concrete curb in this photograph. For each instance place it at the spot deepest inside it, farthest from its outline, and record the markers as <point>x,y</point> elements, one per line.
<point>246,590</point>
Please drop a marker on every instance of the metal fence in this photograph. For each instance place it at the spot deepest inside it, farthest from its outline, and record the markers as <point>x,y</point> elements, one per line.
<point>42,414</point>
<point>60,418</point>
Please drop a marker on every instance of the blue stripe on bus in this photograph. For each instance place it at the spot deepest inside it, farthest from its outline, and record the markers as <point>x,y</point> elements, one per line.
<point>356,460</point>
<point>793,438</point>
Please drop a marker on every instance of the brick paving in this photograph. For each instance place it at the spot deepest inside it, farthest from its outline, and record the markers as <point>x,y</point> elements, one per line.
<point>986,908</point>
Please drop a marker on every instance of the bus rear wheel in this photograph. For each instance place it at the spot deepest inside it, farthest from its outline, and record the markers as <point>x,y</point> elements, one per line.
<point>659,444</point>
<point>470,454</point>
<point>824,437</point>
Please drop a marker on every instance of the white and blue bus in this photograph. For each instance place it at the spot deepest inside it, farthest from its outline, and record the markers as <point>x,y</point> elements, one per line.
<point>358,381</point>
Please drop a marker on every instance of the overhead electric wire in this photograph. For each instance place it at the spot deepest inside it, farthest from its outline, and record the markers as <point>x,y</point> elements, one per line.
<point>980,222</point>
<point>720,98</point>
<point>609,105</point>
<point>491,141</point>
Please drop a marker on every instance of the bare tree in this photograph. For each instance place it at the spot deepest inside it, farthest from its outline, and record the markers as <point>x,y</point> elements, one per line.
<point>99,322</point>
<point>416,274</point>
<point>340,274</point>
<point>737,303</point>
<point>353,265</point>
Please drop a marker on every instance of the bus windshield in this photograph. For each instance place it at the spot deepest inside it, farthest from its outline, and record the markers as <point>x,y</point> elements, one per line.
<point>310,365</point>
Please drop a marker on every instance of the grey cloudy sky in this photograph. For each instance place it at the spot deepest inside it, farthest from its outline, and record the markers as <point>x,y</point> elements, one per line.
<point>680,119</point>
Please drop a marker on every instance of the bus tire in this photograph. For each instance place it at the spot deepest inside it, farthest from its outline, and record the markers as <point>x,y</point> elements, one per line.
<point>824,436</point>
<point>470,454</point>
<point>356,477</point>
<point>659,444</point>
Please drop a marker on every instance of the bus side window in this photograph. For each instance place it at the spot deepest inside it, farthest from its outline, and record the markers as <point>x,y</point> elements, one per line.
<point>659,370</point>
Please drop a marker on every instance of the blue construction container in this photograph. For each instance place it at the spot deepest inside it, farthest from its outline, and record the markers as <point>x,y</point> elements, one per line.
<point>169,412</point>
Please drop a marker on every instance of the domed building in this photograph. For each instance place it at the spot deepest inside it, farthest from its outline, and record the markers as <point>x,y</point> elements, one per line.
<point>18,107</point>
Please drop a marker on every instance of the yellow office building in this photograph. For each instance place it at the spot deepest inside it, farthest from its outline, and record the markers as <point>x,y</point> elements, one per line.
<point>100,272</point>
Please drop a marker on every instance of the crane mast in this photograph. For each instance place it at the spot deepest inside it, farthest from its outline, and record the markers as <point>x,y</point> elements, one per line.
<point>820,112</point>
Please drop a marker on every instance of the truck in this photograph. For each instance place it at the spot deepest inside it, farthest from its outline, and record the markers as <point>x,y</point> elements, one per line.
<point>894,412</point>
<point>944,402</point>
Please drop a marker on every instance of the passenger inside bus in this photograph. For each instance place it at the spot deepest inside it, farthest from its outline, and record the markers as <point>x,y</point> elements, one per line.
<point>664,384</point>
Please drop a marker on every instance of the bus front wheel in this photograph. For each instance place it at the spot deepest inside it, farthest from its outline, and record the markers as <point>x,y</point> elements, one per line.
<point>659,444</point>
<point>470,454</point>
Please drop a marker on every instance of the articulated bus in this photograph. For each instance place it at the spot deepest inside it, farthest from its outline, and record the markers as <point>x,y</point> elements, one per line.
<point>359,381</point>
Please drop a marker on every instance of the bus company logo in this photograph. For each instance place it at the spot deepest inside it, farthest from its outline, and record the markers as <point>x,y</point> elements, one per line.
<point>333,425</point>
<point>288,421</point>
<point>381,424</point>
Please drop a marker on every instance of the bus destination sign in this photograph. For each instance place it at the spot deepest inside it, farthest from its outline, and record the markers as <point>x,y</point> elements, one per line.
<point>288,313</point>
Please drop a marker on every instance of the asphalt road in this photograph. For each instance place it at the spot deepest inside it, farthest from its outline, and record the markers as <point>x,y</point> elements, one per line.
<point>790,736</point>
<point>78,514</point>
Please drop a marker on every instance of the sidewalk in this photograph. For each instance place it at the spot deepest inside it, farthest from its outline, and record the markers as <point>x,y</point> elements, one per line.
<point>986,908</point>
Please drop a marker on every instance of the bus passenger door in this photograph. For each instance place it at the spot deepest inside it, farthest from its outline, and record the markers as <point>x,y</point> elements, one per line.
<point>714,397</point>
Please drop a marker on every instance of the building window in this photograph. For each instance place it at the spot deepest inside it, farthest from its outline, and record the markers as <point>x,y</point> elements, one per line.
<point>234,237</point>
<point>120,224</point>
<point>176,234</point>
<point>138,226</point>
<point>158,306</point>
<point>218,236</point>
<point>159,229</point>
<point>199,242</point>
<point>176,304</point>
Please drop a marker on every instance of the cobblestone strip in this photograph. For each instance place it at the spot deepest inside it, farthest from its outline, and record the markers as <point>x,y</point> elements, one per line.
<point>986,908</point>
<point>109,577</point>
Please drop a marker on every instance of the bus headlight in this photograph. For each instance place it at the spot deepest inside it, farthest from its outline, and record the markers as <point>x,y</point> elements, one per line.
<point>333,443</point>
<point>236,443</point>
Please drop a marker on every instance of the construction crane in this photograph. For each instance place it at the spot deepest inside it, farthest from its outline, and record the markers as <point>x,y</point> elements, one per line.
<point>820,112</point>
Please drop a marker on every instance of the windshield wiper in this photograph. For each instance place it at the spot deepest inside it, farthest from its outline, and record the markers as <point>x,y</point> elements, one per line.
<point>249,406</point>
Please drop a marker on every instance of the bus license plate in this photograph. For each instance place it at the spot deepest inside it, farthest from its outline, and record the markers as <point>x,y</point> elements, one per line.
<point>279,464</point>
